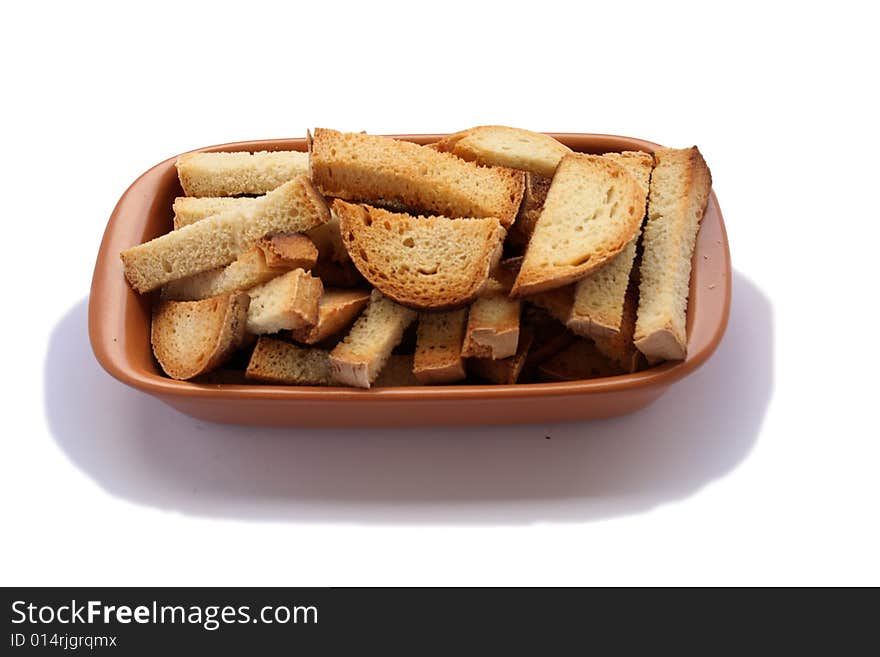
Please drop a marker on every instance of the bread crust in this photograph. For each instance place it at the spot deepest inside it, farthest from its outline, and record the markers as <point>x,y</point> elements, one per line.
<point>536,188</point>
<point>224,317</point>
<point>680,189</point>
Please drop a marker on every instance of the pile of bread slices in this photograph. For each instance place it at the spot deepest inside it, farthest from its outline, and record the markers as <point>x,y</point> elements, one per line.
<point>494,255</point>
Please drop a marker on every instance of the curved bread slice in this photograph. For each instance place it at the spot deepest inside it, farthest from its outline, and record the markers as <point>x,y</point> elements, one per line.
<point>358,359</point>
<point>503,146</point>
<point>190,338</point>
<point>384,171</point>
<point>421,262</point>
<point>680,187</point>
<point>229,174</point>
<point>597,309</point>
<point>593,210</point>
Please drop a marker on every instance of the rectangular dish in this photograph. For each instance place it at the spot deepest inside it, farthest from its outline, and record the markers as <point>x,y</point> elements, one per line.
<point>119,329</point>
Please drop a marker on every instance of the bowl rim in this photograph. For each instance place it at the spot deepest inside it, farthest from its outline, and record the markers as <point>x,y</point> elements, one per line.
<point>110,294</point>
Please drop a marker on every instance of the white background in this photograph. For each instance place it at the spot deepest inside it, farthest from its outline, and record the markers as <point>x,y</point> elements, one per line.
<point>762,468</point>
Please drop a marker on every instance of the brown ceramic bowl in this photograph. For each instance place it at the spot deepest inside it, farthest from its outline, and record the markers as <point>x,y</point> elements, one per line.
<point>119,327</point>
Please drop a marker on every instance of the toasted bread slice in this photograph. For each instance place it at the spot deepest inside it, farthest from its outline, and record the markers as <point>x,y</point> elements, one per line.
<point>536,188</point>
<point>289,301</point>
<point>271,257</point>
<point>438,347</point>
<point>221,238</point>
<point>680,188</point>
<point>358,359</point>
<point>618,346</point>
<point>190,209</point>
<point>277,361</point>
<point>289,250</point>
<point>582,360</point>
<point>381,170</point>
<point>248,270</point>
<point>493,325</point>
<point>504,370</point>
<point>597,308</point>
<point>190,338</point>
<point>421,262</point>
<point>337,310</point>
<point>397,372</point>
<point>230,174</point>
<point>593,209</point>
<point>514,148</point>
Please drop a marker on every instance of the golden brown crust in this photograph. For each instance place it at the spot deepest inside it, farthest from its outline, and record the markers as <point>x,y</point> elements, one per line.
<point>536,188</point>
